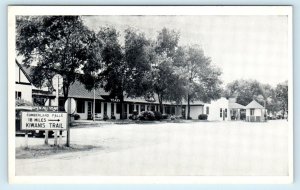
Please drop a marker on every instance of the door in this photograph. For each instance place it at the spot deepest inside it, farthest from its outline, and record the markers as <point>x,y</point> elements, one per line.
<point>89,110</point>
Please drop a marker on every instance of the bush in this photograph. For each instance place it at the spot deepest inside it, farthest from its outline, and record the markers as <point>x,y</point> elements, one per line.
<point>76,116</point>
<point>157,115</point>
<point>202,117</point>
<point>147,115</point>
<point>165,116</point>
<point>189,118</point>
<point>105,117</point>
<point>113,117</point>
<point>133,117</point>
<point>173,117</point>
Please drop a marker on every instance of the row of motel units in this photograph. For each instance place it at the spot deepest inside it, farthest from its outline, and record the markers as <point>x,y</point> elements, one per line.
<point>217,110</point>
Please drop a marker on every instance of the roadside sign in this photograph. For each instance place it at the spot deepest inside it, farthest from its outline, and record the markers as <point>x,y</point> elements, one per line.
<point>43,120</point>
<point>73,105</point>
<point>45,108</point>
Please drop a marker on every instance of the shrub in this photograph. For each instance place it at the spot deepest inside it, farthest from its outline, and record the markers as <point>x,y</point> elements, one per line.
<point>157,115</point>
<point>76,116</point>
<point>113,117</point>
<point>202,117</point>
<point>165,116</point>
<point>173,117</point>
<point>189,118</point>
<point>147,115</point>
<point>133,117</point>
<point>105,117</point>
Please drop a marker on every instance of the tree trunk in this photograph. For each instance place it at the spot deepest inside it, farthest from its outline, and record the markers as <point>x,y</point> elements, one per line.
<point>188,107</point>
<point>160,104</point>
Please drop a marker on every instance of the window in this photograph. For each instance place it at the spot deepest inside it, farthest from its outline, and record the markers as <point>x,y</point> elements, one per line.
<point>221,112</point>
<point>173,110</point>
<point>131,108</point>
<point>225,114</point>
<point>142,107</point>
<point>207,110</point>
<point>97,107</point>
<point>251,112</point>
<point>80,106</point>
<point>152,108</point>
<point>18,95</point>
<point>167,110</point>
<point>137,108</point>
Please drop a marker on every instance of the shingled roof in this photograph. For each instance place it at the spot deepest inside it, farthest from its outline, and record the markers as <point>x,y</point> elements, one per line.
<point>254,105</point>
<point>234,105</point>
<point>78,90</point>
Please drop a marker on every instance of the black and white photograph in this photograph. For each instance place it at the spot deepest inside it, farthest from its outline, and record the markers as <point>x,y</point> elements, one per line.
<point>150,94</point>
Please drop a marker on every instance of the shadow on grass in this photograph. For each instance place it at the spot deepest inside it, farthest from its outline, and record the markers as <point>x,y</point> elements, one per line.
<point>40,151</point>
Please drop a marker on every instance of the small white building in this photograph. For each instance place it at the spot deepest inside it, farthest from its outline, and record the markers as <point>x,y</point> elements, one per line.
<point>217,110</point>
<point>255,112</point>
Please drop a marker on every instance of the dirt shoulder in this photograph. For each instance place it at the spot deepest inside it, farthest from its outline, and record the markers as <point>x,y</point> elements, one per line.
<point>41,151</point>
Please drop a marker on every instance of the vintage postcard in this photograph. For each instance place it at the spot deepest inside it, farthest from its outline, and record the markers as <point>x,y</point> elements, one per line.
<point>150,94</point>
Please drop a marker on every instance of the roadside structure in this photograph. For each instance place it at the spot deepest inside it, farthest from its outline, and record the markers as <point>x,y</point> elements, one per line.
<point>255,112</point>
<point>217,110</point>
<point>237,111</point>
<point>104,103</point>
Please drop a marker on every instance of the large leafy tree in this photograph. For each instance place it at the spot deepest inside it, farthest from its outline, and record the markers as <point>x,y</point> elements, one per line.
<point>282,96</point>
<point>244,91</point>
<point>125,67</point>
<point>165,81</point>
<point>57,44</point>
<point>202,78</point>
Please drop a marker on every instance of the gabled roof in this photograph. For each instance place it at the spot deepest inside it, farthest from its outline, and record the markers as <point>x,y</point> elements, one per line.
<point>254,105</point>
<point>25,70</point>
<point>234,105</point>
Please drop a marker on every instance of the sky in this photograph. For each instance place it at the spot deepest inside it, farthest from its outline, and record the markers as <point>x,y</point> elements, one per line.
<point>243,47</point>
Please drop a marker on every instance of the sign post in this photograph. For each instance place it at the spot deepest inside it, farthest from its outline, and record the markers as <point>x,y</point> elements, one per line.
<point>26,139</point>
<point>46,136</point>
<point>70,107</point>
<point>34,120</point>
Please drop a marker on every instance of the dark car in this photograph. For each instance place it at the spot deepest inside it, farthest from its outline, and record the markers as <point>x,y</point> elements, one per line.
<point>36,133</point>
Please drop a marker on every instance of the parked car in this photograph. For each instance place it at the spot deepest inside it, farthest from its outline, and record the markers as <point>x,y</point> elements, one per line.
<point>36,133</point>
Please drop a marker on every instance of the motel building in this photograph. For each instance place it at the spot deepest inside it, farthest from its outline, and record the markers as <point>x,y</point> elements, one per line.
<point>217,110</point>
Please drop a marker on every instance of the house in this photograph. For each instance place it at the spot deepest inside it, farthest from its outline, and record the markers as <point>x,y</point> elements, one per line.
<point>255,112</point>
<point>217,110</point>
<point>23,86</point>
<point>25,91</point>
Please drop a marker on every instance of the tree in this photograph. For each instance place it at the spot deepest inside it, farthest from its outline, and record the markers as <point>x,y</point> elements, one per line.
<point>58,44</point>
<point>203,82</point>
<point>165,81</point>
<point>282,96</point>
<point>245,91</point>
<point>124,67</point>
